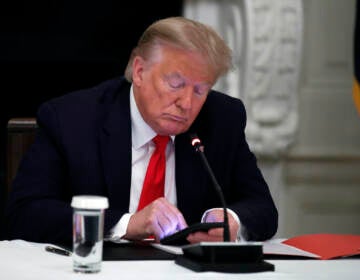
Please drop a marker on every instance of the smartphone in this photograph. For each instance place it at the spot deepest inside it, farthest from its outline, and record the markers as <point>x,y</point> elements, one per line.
<point>179,238</point>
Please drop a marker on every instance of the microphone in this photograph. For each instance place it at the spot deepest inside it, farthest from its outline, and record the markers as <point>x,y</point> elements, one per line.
<point>221,256</point>
<point>199,148</point>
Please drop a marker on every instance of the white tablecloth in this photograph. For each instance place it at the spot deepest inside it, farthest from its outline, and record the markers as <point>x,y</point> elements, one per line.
<point>25,260</point>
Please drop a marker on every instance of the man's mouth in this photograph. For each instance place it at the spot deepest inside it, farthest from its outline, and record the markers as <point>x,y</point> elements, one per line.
<point>176,118</point>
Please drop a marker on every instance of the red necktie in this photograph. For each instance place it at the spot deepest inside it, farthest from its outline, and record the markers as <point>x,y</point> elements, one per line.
<point>154,182</point>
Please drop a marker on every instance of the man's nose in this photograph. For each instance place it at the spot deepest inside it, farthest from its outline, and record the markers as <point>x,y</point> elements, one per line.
<point>185,98</point>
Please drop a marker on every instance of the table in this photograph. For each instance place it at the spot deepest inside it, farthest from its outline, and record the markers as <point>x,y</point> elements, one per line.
<point>25,260</point>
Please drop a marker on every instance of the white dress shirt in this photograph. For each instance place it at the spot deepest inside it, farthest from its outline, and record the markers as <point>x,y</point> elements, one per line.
<point>142,148</point>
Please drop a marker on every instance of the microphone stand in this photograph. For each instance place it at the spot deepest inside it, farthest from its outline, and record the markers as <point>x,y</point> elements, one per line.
<point>200,149</point>
<point>221,256</point>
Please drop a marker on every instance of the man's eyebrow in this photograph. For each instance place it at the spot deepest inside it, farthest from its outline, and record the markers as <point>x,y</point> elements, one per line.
<point>177,75</point>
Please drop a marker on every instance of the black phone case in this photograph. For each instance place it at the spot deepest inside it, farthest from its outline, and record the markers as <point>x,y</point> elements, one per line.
<point>179,238</point>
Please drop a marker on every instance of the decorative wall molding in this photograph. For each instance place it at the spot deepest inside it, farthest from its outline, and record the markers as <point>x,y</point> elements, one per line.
<point>315,207</point>
<point>323,170</point>
<point>266,39</point>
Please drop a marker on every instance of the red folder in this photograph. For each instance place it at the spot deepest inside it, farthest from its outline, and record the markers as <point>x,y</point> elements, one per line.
<point>327,246</point>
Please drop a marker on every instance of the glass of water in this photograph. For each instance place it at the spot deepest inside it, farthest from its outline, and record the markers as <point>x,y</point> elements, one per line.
<point>88,228</point>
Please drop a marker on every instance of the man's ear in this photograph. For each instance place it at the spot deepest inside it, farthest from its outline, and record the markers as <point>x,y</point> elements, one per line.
<point>138,70</point>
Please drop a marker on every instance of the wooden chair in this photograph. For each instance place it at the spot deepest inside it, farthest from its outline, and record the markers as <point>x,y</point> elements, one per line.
<point>20,135</point>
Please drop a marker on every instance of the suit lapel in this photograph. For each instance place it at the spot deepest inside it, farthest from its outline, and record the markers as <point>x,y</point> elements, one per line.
<point>115,147</point>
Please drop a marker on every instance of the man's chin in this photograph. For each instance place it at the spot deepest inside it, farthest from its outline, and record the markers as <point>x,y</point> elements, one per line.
<point>170,130</point>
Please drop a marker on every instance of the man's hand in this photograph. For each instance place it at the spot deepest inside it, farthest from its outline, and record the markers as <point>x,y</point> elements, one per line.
<point>216,234</point>
<point>160,218</point>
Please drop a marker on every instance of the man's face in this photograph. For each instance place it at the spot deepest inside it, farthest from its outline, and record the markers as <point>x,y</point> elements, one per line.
<point>171,89</point>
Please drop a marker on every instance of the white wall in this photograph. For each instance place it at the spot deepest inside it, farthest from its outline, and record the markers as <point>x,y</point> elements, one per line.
<point>322,170</point>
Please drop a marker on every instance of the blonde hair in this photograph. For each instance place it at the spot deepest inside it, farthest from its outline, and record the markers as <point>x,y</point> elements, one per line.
<point>185,34</point>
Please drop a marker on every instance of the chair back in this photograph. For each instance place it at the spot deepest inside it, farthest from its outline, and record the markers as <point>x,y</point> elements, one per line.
<point>20,135</point>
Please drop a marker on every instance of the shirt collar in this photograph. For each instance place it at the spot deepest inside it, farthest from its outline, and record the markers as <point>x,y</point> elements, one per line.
<point>141,132</point>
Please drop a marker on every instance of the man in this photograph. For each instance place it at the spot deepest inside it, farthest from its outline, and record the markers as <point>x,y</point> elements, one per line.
<point>99,141</point>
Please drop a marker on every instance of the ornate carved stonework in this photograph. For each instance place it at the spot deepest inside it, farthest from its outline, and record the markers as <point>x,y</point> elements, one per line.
<point>266,38</point>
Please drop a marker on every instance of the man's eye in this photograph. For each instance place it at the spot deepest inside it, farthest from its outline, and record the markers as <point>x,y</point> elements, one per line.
<point>176,83</point>
<point>201,90</point>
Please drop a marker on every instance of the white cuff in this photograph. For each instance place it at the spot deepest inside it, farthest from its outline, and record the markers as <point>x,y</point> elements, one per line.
<point>119,230</point>
<point>241,231</point>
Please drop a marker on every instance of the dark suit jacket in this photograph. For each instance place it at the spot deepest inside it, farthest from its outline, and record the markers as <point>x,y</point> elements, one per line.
<point>83,146</point>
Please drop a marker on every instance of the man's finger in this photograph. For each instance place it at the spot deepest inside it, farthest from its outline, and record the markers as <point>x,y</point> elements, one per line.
<point>173,214</point>
<point>216,232</point>
<point>203,237</point>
